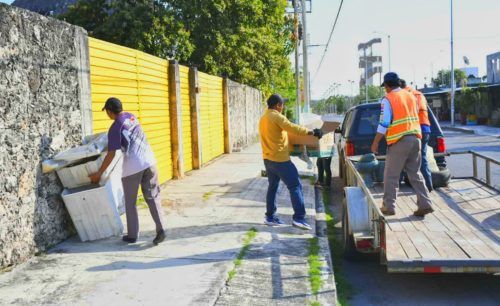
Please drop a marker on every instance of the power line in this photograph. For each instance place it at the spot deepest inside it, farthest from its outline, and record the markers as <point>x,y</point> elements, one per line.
<point>329,39</point>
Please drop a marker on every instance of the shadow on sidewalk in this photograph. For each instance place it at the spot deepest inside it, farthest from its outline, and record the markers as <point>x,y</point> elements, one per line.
<point>280,245</point>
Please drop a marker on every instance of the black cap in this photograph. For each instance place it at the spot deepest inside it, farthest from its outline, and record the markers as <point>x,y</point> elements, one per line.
<point>114,105</point>
<point>275,99</point>
<point>391,78</point>
<point>402,83</point>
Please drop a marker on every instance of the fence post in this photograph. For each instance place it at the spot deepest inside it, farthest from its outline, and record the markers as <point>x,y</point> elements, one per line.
<point>194,105</point>
<point>225,105</point>
<point>488,173</point>
<point>474,165</point>
<point>174,86</point>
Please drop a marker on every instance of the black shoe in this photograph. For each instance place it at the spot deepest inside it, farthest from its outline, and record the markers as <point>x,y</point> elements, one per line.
<point>160,236</point>
<point>127,239</point>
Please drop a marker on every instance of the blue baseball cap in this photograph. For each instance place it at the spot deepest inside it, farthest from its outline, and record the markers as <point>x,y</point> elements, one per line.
<point>392,78</point>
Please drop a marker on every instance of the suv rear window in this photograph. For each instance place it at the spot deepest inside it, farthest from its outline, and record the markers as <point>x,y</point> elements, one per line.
<point>368,119</point>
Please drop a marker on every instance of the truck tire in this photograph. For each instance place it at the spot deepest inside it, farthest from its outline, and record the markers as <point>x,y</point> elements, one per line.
<point>440,178</point>
<point>349,249</point>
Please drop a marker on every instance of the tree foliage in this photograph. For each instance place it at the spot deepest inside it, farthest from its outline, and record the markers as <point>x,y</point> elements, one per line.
<point>146,25</point>
<point>444,78</point>
<point>247,41</point>
<point>333,104</point>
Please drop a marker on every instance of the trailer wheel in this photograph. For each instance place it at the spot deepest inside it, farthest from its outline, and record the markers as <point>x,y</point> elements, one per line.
<point>350,252</point>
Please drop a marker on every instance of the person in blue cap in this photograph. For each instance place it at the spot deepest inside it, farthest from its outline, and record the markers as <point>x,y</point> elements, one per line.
<point>400,126</point>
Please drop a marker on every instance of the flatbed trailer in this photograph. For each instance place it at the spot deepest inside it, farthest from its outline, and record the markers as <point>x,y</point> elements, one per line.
<point>460,236</point>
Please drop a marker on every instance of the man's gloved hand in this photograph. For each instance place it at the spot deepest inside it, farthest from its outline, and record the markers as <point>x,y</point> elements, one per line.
<point>318,133</point>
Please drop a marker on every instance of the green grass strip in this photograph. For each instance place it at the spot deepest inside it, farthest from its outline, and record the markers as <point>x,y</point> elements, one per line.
<point>344,289</point>
<point>249,236</point>
<point>315,265</point>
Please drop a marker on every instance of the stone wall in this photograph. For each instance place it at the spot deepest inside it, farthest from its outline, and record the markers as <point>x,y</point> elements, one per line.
<point>245,110</point>
<point>44,108</point>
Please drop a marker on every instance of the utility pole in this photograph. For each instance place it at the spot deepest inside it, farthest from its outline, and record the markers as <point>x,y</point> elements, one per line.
<point>366,76</point>
<point>304,56</point>
<point>452,72</point>
<point>389,42</point>
<point>297,68</point>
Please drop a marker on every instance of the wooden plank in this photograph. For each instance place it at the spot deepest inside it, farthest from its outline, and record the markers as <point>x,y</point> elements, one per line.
<point>431,221</point>
<point>194,104</point>
<point>175,108</point>
<point>226,120</point>
<point>444,220</point>
<point>437,200</point>
<point>394,250</point>
<point>486,219</point>
<point>489,238</point>
<point>399,222</point>
<point>457,220</point>
<point>409,207</point>
<point>423,245</point>
<point>410,249</point>
<point>446,247</point>
<point>479,244</point>
<point>465,245</point>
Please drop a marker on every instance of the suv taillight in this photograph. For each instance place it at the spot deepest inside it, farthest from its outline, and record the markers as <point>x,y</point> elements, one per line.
<point>349,148</point>
<point>441,145</point>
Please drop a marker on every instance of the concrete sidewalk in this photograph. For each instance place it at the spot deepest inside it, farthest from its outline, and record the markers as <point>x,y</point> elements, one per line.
<point>483,130</point>
<point>208,214</point>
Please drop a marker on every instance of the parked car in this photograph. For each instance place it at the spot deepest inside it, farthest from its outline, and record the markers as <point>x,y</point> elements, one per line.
<point>359,128</point>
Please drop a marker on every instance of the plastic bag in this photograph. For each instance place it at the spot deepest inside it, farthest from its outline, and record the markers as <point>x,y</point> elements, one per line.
<point>95,146</point>
<point>305,157</point>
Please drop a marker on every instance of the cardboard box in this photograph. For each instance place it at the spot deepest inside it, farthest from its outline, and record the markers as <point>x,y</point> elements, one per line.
<point>315,147</point>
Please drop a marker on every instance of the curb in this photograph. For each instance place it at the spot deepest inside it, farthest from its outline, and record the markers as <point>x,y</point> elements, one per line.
<point>458,129</point>
<point>467,131</point>
<point>329,286</point>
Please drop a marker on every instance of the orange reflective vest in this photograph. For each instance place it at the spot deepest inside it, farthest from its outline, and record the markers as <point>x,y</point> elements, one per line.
<point>423,115</point>
<point>404,116</point>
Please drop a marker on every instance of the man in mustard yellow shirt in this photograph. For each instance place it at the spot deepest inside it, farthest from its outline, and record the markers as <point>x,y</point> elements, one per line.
<point>273,130</point>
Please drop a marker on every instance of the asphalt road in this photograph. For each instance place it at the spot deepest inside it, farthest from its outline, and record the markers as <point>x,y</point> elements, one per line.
<point>372,285</point>
<point>461,165</point>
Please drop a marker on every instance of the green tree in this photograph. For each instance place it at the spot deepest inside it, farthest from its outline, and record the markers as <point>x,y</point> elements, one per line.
<point>374,93</point>
<point>444,78</point>
<point>146,25</point>
<point>247,41</point>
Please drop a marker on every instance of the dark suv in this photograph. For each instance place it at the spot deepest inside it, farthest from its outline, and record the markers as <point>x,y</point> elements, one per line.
<point>360,126</point>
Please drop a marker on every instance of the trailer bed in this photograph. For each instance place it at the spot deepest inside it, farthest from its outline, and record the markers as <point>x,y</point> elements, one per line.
<point>462,235</point>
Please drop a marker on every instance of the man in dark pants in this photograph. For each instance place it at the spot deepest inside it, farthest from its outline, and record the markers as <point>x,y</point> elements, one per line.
<point>273,130</point>
<point>139,168</point>
<point>324,169</point>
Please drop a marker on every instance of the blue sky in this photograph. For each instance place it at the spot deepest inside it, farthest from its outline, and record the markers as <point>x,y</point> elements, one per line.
<point>420,33</point>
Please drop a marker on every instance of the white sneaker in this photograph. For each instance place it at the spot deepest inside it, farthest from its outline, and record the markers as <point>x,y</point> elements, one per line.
<point>302,225</point>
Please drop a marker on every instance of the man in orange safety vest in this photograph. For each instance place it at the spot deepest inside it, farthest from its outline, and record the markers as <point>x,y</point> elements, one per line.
<point>399,125</point>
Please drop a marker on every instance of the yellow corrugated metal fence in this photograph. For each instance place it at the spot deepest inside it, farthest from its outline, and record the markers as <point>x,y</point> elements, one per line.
<point>211,116</point>
<point>186,118</point>
<point>140,81</point>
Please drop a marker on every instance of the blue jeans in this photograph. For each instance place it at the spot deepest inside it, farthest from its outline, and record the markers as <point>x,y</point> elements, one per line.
<point>287,172</point>
<point>424,167</point>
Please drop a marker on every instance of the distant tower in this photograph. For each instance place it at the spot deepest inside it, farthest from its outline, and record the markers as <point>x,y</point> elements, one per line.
<point>369,63</point>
